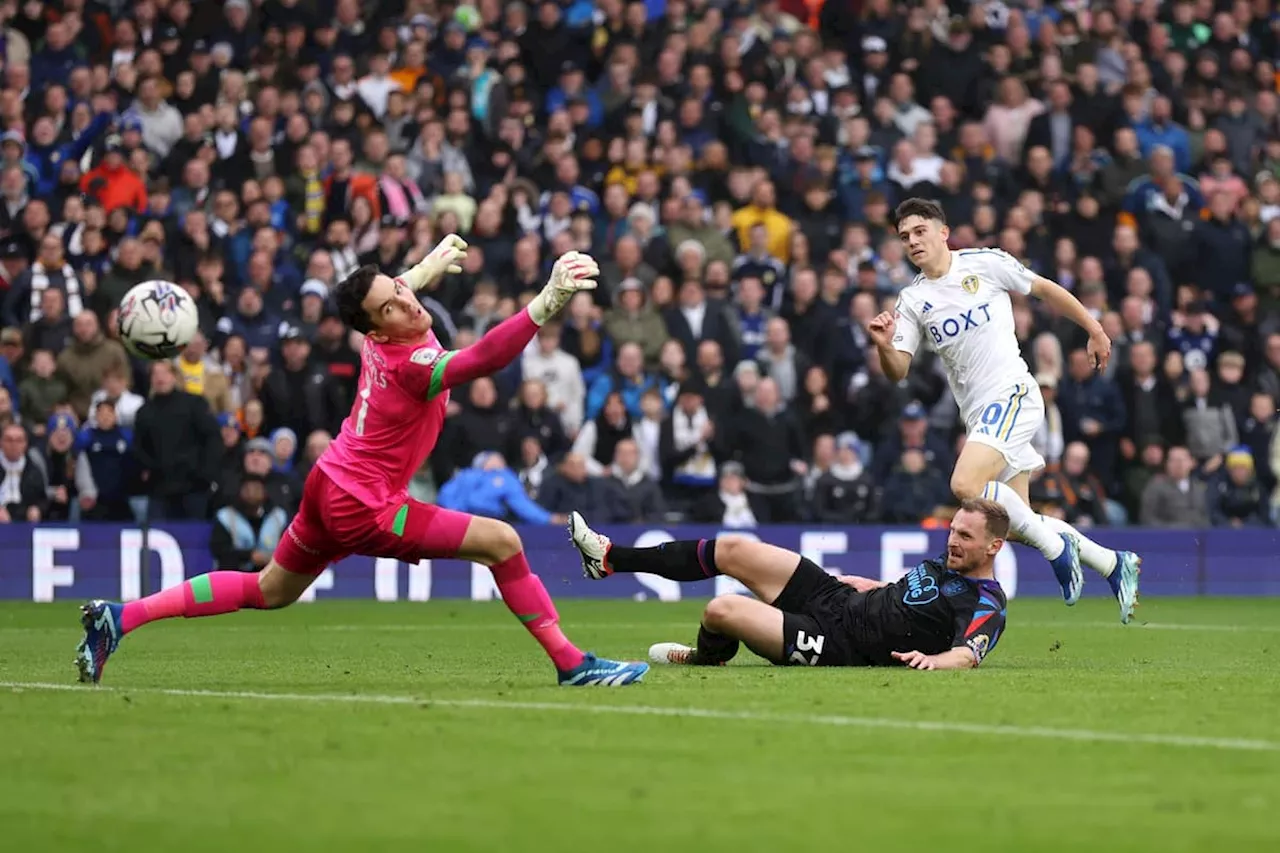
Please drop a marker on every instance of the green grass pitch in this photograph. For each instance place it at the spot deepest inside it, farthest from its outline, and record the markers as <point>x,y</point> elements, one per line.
<point>437,727</point>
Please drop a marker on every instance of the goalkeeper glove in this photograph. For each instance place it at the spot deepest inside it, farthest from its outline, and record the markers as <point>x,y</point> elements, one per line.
<point>574,271</point>
<point>446,257</point>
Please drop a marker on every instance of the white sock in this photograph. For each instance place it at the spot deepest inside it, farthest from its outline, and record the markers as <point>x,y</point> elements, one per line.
<point>1101,560</point>
<point>1027,526</point>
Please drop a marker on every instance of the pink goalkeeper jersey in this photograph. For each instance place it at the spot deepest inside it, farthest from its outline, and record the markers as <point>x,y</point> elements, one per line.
<point>394,423</point>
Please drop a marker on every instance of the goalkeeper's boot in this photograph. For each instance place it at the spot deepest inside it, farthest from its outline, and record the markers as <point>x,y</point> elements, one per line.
<point>599,672</point>
<point>101,621</point>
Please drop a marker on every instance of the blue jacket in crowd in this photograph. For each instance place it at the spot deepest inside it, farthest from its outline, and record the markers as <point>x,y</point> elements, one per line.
<point>493,494</point>
<point>47,160</point>
<point>109,460</point>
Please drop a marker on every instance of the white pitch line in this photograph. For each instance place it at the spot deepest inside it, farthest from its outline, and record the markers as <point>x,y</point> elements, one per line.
<point>950,727</point>
<point>687,625</point>
<point>1014,623</point>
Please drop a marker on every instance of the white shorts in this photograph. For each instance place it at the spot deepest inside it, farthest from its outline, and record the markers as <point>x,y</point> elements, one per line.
<point>1008,423</point>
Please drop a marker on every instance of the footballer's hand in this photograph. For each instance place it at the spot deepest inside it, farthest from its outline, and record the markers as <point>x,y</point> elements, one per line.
<point>860,584</point>
<point>573,272</point>
<point>445,258</point>
<point>1099,350</point>
<point>882,328</point>
<point>915,660</point>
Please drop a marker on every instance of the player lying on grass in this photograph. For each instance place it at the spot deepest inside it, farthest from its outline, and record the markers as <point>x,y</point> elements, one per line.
<point>944,614</point>
<point>355,499</point>
<point>959,306</point>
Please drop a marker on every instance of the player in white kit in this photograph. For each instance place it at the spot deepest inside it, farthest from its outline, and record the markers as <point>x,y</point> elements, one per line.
<point>959,307</point>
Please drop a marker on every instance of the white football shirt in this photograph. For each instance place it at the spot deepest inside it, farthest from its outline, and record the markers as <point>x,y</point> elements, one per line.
<point>966,317</point>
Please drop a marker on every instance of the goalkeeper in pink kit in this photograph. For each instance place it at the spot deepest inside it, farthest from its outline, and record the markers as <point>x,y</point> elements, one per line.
<point>355,499</point>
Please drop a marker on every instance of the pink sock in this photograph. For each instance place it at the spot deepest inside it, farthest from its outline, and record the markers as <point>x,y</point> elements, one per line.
<point>527,598</point>
<point>206,595</point>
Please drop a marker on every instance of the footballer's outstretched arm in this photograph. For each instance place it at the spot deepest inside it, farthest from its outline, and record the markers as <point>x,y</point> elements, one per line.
<point>961,657</point>
<point>507,340</point>
<point>1064,302</point>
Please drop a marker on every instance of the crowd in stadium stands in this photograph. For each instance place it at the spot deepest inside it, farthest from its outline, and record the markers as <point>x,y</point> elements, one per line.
<point>733,166</point>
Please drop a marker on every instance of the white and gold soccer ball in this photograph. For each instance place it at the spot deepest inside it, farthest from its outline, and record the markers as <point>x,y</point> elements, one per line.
<point>157,319</point>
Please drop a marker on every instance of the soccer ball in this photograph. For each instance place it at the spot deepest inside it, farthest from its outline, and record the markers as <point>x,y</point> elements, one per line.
<point>157,320</point>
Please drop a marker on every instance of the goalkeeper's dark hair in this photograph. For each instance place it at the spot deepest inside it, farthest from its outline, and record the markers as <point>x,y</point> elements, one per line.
<point>922,207</point>
<point>350,295</point>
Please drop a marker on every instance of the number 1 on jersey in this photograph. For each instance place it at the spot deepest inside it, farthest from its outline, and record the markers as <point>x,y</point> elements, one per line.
<point>364,408</point>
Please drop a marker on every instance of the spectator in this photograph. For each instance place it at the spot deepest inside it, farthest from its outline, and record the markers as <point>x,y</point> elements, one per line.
<point>176,446</point>
<point>295,395</point>
<point>24,304</point>
<point>817,411</point>
<point>640,498</point>
<point>763,211</point>
<point>104,448</point>
<point>687,446</point>
<point>317,443</point>
<point>571,487</point>
<point>88,359</point>
<point>481,425</point>
<point>695,224</point>
<point>63,476</point>
<point>757,263</point>
<point>634,320</point>
<point>41,390</point>
<point>203,377</point>
<point>729,506</point>
<point>768,442</point>
<point>246,531</point>
<point>1236,498</point>
<point>599,437</point>
<point>534,467</point>
<point>912,492</point>
<point>752,317</point>
<point>533,417</point>
<point>115,390</point>
<point>1050,441</point>
<point>697,319</point>
<point>559,373</point>
<point>114,185</point>
<point>24,490</point>
<point>1258,433</point>
<point>284,487</point>
<point>1092,411</point>
<point>1087,503</point>
<point>52,329</point>
<point>846,494</point>
<point>1176,498</point>
<point>781,361</point>
<point>811,321</point>
<point>1150,404</point>
<point>912,434</point>
<point>1209,422</point>
<point>628,379</point>
<point>1150,464</point>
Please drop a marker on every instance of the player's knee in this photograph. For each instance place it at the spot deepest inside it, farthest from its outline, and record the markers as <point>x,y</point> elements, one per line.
<point>280,587</point>
<point>966,486</point>
<point>720,612</point>
<point>502,542</point>
<point>728,550</point>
